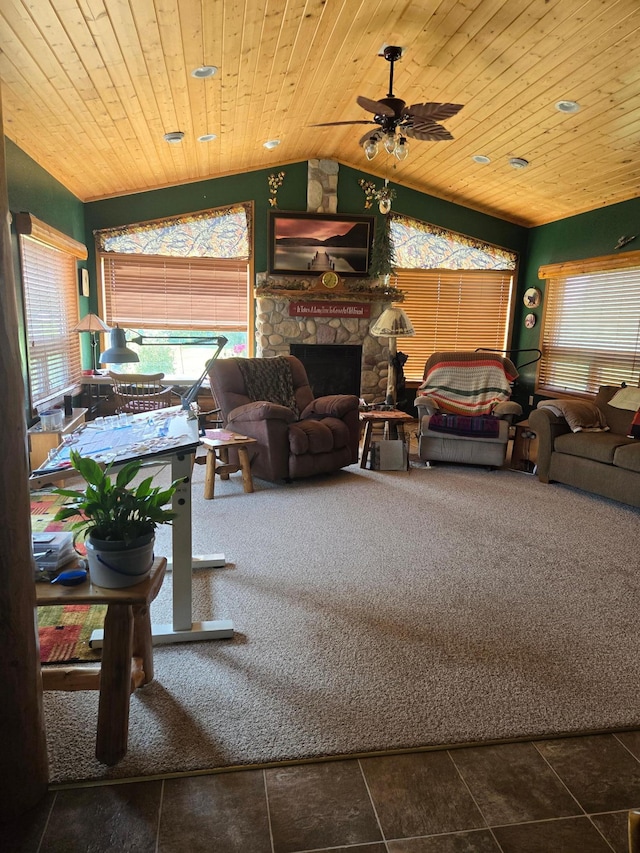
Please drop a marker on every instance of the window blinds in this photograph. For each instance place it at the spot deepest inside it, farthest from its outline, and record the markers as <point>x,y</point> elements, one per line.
<point>591,328</point>
<point>160,292</point>
<point>453,310</point>
<point>51,308</point>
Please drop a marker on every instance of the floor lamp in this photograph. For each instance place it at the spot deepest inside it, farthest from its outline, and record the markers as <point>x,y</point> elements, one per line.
<point>94,325</point>
<point>392,323</point>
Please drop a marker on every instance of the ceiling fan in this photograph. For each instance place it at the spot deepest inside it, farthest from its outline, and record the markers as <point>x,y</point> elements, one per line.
<point>396,120</point>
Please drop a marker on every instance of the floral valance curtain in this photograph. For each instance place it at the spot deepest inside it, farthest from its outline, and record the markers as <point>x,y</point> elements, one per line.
<point>217,233</point>
<point>420,245</point>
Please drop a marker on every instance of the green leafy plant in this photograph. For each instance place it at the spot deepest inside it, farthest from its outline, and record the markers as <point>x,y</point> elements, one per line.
<point>109,508</point>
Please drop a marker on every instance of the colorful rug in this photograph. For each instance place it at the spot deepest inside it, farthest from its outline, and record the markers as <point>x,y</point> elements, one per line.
<point>64,630</point>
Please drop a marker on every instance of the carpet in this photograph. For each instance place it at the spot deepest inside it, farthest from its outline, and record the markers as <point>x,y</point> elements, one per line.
<point>379,611</point>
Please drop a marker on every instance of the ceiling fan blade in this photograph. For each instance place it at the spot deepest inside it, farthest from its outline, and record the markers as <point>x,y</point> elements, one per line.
<point>435,112</point>
<point>375,107</point>
<point>335,123</point>
<point>427,132</point>
<point>368,135</point>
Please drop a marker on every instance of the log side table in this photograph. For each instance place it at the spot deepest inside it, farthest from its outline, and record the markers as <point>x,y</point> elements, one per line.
<point>393,422</point>
<point>127,653</point>
<point>218,443</point>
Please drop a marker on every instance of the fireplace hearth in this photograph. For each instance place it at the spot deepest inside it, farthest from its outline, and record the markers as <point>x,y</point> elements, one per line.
<point>331,368</point>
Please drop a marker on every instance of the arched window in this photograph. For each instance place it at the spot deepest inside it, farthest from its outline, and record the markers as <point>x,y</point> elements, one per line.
<point>174,279</point>
<point>458,290</point>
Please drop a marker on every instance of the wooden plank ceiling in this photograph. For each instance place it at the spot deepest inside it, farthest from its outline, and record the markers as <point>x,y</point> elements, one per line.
<point>89,87</point>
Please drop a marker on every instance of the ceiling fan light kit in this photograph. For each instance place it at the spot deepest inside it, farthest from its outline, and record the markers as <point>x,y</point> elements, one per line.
<point>396,121</point>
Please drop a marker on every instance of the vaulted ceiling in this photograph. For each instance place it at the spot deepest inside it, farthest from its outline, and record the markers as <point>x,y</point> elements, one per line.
<point>89,88</point>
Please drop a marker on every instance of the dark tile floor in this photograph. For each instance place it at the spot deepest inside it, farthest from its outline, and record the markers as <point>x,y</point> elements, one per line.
<point>568,795</point>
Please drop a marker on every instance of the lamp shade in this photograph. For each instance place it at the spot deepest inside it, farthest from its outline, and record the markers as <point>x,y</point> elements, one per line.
<point>118,352</point>
<point>393,323</point>
<point>91,323</point>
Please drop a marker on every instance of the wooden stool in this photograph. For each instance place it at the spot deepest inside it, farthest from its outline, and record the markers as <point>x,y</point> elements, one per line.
<point>393,422</point>
<point>127,653</point>
<point>218,459</point>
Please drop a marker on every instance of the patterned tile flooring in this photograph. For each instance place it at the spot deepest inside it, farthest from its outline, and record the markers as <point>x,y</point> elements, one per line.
<point>566,795</point>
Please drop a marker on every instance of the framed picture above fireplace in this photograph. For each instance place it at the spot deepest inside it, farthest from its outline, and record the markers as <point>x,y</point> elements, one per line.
<point>314,243</point>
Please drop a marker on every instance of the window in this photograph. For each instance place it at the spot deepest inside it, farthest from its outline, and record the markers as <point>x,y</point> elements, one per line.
<point>458,290</point>
<point>591,324</point>
<point>50,288</point>
<point>178,277</point>
<point>453,310</point>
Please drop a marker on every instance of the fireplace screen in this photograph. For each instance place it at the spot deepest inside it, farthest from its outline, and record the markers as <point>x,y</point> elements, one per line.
<point>331,368</point>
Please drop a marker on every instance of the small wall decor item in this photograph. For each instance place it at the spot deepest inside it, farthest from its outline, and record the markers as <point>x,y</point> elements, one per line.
<point>622,241</point>
<point>275,182</point>
<point>532,297</point>
<point>530,321</point>
<point>383,196</point>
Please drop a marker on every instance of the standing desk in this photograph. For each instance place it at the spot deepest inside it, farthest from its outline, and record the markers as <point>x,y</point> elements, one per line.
<point>172,433</point>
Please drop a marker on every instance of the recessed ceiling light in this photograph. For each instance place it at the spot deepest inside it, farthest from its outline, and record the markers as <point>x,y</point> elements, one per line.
<point>271,143</point>
<point>567,106</point>
<point>481,158</point>
<point>207,137</point>
<point>518,163</point>
<point>204,71</point>
<point>174,137</point>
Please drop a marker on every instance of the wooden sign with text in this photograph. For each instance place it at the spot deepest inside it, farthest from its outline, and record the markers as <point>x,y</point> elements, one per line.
<point>329,309</point>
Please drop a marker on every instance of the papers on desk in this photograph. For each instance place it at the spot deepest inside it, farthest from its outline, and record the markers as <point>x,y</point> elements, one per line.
<point>51,551</point>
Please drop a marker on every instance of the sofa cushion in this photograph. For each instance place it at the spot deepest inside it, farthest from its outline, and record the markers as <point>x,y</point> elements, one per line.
<point>598,446</point>
<point>628,456</point>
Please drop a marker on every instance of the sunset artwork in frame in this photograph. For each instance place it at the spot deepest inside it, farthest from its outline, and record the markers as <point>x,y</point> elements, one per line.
<point>314,243</point>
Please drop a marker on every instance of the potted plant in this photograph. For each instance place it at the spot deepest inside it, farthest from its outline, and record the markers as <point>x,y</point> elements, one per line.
<point>117,520</point>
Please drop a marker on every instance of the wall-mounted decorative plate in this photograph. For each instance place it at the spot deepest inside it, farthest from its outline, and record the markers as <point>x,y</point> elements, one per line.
<point>532,297</point>
<point>530,321</point>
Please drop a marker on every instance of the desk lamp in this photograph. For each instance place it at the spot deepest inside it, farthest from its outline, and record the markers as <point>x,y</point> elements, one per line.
<point>118,352</point>
<point>392,323</point>
<point>94,325</point>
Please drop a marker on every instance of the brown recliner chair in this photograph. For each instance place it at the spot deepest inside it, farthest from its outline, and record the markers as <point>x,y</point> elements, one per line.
<point>297,434</point>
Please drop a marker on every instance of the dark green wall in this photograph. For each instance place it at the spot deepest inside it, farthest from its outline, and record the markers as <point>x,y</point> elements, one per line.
<point>587,235</point>
<point>188,198</point>
<point>33,190</point>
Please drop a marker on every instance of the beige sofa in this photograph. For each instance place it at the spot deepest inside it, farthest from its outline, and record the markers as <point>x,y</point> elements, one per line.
<point>605,463</point>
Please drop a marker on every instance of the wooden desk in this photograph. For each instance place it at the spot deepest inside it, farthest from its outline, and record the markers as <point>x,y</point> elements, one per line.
<point>41,441</point>
<point>218,459</point>
<point>393,422</point>
<point>127,653</point>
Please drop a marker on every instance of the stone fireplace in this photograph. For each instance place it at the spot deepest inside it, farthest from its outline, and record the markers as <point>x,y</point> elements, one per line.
<point>277,331</point>
<point>334,320</point>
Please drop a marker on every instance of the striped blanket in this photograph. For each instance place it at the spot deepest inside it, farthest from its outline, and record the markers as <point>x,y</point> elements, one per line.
<point>468,383</point>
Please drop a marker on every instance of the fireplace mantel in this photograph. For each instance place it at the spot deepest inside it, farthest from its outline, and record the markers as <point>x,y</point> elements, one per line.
<point>360,290</point>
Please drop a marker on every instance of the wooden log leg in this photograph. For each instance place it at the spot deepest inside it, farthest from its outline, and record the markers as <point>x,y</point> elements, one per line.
<point>142,641</point>
<point>210,475</point>
<point>366,443</point>
<point>224,458</point>
<point>115,684</point>
<point>245,467</point>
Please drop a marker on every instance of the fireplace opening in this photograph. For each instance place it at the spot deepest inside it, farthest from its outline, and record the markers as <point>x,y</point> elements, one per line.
<point>331,368</point>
